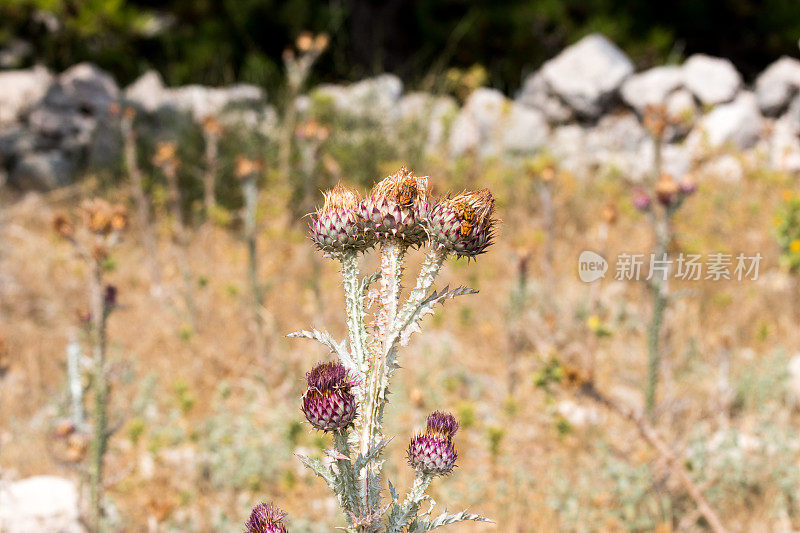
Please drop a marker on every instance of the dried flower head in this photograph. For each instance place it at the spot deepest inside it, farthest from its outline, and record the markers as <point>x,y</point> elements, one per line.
<point>305,41</point>
<point>433,452</point>
<point>329,403</point>
<point>667,190</point>
<point>321,42</point>
<point>655,120</point>
<point>266,518</point>
<point>337,226</point>
<point>166,154</point>
<point>119,217</point>
<point>63,226</point>
<point>609,213</point>
<point>246,167</point>
<point>396,208</point>
<point>212,126</point>
<point>130,113</point>
<point>463,224</point>
<point>97,215</point>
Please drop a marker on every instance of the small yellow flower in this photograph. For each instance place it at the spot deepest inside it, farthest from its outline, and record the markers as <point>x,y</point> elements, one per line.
<point>593,322</point>
<point>787,195</point>
<point>794,246</point>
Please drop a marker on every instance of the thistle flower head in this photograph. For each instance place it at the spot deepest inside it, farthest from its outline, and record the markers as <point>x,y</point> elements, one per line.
<point>266,518</point>
<point>101,218</point>
<point>329,403</point>
<point>396,208</point>
<point>337,227</point>
<point>667,190</point>
<point>688,185</point>
<point>641,200</point>
<point>166,154</point>
<point>63,225</point>
<point>442,425</point>
<point>463,224</point>
<point>433,452</point>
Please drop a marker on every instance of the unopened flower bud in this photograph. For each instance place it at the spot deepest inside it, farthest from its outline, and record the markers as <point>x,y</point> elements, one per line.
<point>688,185</point>
<point>337,226</point>
<point>266,518</point>
<point>329,403</point>
<point>667,190</point>
<point>641,200</point>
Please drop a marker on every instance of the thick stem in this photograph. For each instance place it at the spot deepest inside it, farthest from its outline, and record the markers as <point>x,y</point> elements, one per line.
<point>411,505</point>
<point>210,175</point>
<point>660,295</point>
<point>100,426</point>
<point>74,356</point>
<point>375,389</point>
<point>250,192</point>
<point>349,500</point>
<point>142,205</point>
<point>179,234</point>
<point>354,303</point>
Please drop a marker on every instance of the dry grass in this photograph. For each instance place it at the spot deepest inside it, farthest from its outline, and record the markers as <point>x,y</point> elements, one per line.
<point>460,363</point>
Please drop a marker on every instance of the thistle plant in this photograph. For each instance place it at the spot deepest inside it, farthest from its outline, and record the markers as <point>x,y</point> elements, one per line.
<point>298,66</point>
<point>100,230</point>
<point>669,196</point>
<point>166,159</point>
<point>128,114</point>
<point>347,397</point>
<point>248,171</point>
<point>212,131</point>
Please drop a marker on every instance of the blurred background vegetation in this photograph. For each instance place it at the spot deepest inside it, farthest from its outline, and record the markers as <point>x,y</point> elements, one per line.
<point>222,41</point>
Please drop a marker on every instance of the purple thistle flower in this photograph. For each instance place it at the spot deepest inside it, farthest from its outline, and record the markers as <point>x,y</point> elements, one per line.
<point>433,452</point>
<point>441,424</point>
<point>641,200</point>
<point>337,227</point>
<point>328,403</point>
<point>266,518</point>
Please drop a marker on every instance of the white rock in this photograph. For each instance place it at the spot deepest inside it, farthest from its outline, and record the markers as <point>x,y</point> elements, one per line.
<point>477,123</point>
<point>725,167</point>
<point>41,503</point>
<point>738,124</point>
<point>712,80</point>
<point>793,381</point>
<point>370,98</point>
<point>489,124</point>
<point>784,145</point>
<point>20,90</point>
<point>776,86</point>
<point>587,74</point>
<point>149,92</point>
<point>681,107</point>
<point>524,129</point>
<point>536,94</point>
<point>578,415</point>
<point>88,86</point>
<point>429,112</point>
<point>651,87</point>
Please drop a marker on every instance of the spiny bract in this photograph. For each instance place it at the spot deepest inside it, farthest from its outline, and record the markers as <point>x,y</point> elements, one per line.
<point>329,404</point>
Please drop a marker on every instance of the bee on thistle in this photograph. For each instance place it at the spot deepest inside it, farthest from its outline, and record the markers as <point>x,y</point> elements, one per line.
<point>463,224</point>
<point>396,208</point>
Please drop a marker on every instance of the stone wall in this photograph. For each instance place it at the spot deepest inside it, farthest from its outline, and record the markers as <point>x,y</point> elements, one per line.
<point>584,106</point>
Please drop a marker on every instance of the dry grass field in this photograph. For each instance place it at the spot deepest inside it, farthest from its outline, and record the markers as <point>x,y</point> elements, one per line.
<point>206,427</point>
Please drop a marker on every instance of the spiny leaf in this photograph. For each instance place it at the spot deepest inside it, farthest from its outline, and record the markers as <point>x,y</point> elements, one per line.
<point>325,338</point>
<point>372,453</point>
<point>444,519</point>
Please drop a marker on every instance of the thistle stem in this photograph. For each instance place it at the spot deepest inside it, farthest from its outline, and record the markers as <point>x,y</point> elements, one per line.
<point>659,292</point>
<point>250,193</point>
<point>427,274</point>
<point>411,505</point>
<point>99,314</point>
<point>354,302</point>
